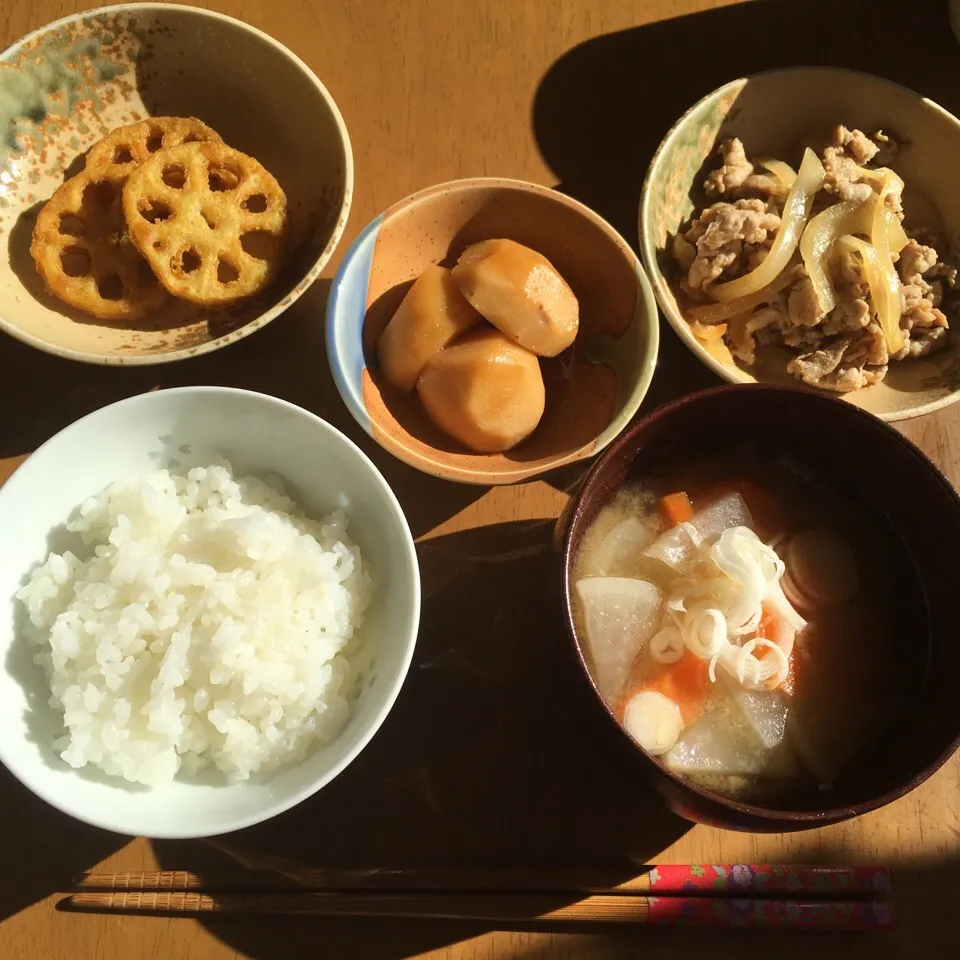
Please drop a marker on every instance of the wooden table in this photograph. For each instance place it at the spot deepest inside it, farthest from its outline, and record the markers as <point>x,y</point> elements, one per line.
<point>491,755</point>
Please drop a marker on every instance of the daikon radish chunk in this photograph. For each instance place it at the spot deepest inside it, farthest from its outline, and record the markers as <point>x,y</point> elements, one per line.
<point>520,293</point>
<point>432,314</point>
<point>821,568</point>
<point>764,710</point>
<point>621,550</point>
<point>620,614</point>
<point>484,391</point>
<point>678,544</point>
<point>717,745</point>
<point>711,746</point>
<point>653,720</point>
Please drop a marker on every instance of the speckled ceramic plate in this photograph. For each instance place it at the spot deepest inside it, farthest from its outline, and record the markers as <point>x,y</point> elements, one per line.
<point>593,389</point>
<point>776,114</point>
<point>69,83</point>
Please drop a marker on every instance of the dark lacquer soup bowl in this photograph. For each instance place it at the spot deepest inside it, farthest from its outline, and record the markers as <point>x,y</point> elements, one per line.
<point>845,470</point>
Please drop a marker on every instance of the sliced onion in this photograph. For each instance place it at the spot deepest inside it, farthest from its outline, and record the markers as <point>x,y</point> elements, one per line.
<point>752,672</point>
<point>896,236</point>
<point>777,600</point>
<point>666,646</point>
<point>705,633</point>
<point>782,171</point>
<point>781,665</point>
<point>887,301</point>
<point>720,312</point>
<point>653,720</point>
<point>884,288</point>
<point>708,331</point>
<point>796,210</point>
<point>818,239</point>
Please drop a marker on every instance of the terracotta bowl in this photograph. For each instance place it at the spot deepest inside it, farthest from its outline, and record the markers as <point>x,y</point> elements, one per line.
<point>777,114</point>
<point>126,63</point>
<point>835,433</point>
<point>593,389</point>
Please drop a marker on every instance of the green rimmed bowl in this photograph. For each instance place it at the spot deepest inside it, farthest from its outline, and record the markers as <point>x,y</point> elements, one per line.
<point>593,389</point>
<point>776,114</point>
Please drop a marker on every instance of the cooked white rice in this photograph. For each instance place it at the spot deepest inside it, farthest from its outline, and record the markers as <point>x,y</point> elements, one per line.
<point>211,623</point>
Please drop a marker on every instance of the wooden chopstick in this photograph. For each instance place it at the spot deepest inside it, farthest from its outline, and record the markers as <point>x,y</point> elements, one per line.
<point>805,882</point>
<point>507,908</point>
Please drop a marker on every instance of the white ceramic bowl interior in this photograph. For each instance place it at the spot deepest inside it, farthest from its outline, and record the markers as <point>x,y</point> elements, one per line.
<point>260,435</point>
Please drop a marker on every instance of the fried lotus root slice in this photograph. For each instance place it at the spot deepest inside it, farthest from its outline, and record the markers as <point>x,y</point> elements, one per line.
<point>85,255</point>
<point>127,146</point>
<point>210,221</point>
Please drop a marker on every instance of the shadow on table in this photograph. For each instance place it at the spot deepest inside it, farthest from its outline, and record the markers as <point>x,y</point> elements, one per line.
<point>43,849</point>
<point>41,394</point>
<point>923,896</point>
<point>602,109</point>
<point>495,754</point>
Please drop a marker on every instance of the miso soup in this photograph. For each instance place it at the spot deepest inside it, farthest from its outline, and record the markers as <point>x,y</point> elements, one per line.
<point>745,620</point>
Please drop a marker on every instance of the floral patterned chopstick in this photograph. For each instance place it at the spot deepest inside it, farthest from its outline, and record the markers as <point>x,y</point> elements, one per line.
<point>765,880</point>
<point>532,908</point>
<point>662,880</point>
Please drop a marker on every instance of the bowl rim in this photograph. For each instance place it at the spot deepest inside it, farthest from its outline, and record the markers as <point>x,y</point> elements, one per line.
<point>302,285</point>
<point>62,802</point>
<point>648,250</point>
<point>645,313</point>
<point>734,808</point>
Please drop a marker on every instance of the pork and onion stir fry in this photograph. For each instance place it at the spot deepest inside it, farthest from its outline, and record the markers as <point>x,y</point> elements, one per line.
<point>816,261</point>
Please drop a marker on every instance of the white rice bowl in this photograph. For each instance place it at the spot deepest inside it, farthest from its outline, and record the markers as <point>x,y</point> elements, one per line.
<point>211,622</point>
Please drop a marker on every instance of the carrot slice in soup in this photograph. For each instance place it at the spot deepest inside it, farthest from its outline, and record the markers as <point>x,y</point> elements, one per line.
<point>686,683</point>
<point>676,508</point>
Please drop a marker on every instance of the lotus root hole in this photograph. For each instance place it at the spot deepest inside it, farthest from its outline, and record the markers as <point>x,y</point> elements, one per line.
<point>145,276</point>
<point>75,261</point>
<point>110,287</point>
<point>155,141</point>
<point>71,226</point>
<point>227,272</point>
<point>258,243</point>
<point>189,261</point>
<point>122,155</point>
<point>99,195</point>
<point>174,176</point>
<point>223,177</point>
<point>191,138</point>
<point>210,219</point>
<point>154,211</point>
<point>256,203</point>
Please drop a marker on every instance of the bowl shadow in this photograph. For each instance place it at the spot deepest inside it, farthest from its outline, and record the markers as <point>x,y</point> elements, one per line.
<point>495,755</point>
<point>586,107</point>
<point>44,724</point>
<point>287,359</point>
<point>49,847</point>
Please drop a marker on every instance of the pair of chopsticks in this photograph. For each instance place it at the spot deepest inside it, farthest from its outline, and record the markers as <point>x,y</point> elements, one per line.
<point>816,897</point>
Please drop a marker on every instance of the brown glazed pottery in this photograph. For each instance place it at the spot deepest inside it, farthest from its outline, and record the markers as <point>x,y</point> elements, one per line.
<point>875,464</point>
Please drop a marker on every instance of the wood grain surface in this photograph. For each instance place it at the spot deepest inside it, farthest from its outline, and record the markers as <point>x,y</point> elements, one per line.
<point>493,754</point>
